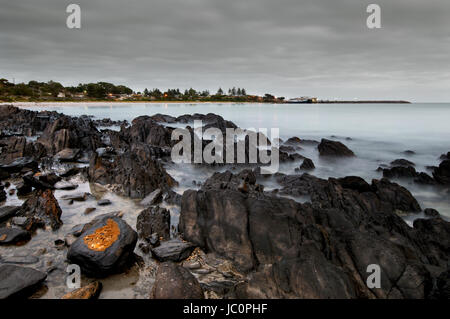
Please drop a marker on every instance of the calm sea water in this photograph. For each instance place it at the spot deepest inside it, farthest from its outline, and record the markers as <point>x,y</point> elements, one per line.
<point>377,133</point>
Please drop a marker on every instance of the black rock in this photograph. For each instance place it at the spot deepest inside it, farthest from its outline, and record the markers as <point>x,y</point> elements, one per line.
<point>40,210</point>
<point>105,247</point>
<point>173,250</point>
<point>19,163</point>
<point>7,212</point>
<point>104,202</point>
<point>442,173</point>
<point>334,148</point>
<point>153,198</point>
<point>154,220</point>
<point>307,164</point>
<point>431,212</point>
<point>67,155</point>
<point>13,235</point>
<point>400,172</point>
<point>18,281</point>
<point>402,162</point>
<point>175,282</point>
<point>23,188</point>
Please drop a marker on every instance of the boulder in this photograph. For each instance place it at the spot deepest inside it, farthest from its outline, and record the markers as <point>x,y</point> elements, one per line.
<point>442,173</point>
<point>430,212</point>
<point>285,246</point>
<point>175,282</point>
<point>153,198</point>
<point>106,246</point>
<point>307,164</point>
<point>334,148</point>
<point>41,210</point>
<point>20,163</point>
<point>67,155</point>
<point>173,250</point>
<point>7,212</point>
<point>16,281</point>
<point>402,162</point>
<point>13,235</point>
<point>91,291</point>
<point>154,220</point>
<point>136,171</point>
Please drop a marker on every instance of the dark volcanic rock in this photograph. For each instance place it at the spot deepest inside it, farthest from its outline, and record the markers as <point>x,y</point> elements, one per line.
<point>70,133</point>
<point>15,147</point>
<point>104,202</point>
<point>136,171</point>
<point>442,173</point>
<point>105,246</point>
<point>173,250</point>
<point>20,163</point>
<point>175,282</point>
<point>154,220</point>
<point>7,212</point>
<point>431,212</point>
<point>153,198</point>
<point>18,281</point>
<point>334,148</point>
<point>307,164</point>
<point>23,189</point>
<point>319,249</point>
<point>40,210</point>
<point>13,235</point>
<point>67,155</point>
<point>402,162</point>
<point>400,172</point>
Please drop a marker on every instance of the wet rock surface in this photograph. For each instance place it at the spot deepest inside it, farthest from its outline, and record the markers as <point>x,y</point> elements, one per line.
<point>91,291</point>
<point>154,220</point>
<point>10,235</point>
<point>175,282</point>
<point>290,249</point>
<point>172,250</point>
<point>41,210</point>
<point>334,148</point>
<point>104,247</point>
<point>16,281</point>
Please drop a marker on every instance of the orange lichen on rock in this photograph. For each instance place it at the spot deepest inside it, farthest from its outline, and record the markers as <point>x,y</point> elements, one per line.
<point>103,237</point>
<point>3,237</point>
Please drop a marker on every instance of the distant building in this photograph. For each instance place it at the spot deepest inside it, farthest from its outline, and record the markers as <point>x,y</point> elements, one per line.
<point>303,99</point>
<point>61,94</point>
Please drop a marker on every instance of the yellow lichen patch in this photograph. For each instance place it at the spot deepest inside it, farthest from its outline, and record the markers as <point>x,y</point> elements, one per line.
<point>3,237</point>
<point>103,237</point>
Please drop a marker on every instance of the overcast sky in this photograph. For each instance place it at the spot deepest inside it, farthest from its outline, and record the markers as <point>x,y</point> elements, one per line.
<point>286,47</point>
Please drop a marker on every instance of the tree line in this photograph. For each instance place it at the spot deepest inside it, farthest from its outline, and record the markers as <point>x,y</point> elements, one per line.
<point>51,90</point>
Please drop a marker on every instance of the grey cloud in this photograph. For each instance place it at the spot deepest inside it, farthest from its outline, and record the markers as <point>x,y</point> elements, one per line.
<point>286,47</point>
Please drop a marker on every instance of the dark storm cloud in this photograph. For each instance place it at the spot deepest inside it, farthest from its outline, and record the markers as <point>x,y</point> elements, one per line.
<point>287,47</point>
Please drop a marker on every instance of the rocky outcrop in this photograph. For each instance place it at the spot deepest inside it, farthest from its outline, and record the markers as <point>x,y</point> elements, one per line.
<point>334,148</point>
<point>307,164</point>
<point>154,220</point>
<point>442,173</point>
<point>41,210</point>
<point>74,133</point>
<point>18,281</point>
<point>104,246</point>
<point>319,249</point>
<point>175,282</point>
<point>17,146</point>
<point>136,171</point>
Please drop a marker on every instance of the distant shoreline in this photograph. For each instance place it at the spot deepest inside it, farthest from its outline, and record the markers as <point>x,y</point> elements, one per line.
<point>100,103</point>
